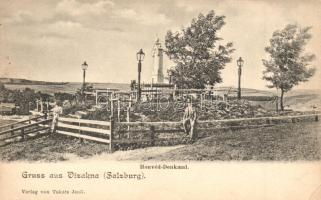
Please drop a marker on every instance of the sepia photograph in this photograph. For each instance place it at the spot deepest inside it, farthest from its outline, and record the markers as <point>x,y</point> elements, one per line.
<point>162,85</point>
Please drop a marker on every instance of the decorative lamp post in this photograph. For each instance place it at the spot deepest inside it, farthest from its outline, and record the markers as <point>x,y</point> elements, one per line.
<point>240,63</point>
<point>140,57</point>
<point>84,67</point>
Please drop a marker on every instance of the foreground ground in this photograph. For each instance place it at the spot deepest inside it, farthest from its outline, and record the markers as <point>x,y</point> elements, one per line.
<point>289,142</point>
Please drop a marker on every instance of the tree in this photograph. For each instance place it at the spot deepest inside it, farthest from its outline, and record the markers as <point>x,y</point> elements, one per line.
<point>288,64</point>
<point>197,56</point>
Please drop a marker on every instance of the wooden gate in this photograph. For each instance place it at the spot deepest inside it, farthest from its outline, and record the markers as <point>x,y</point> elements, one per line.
<point>99,131</point>
<point>19,131</point>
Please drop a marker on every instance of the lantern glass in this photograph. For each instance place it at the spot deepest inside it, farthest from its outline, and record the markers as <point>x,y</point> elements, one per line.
<point>140,55</point>
<point>84,66</point>
<point>240,61</point>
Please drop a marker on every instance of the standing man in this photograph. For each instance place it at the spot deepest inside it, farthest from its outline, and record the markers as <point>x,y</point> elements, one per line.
<point>57,110</point>
<point>189,120</point>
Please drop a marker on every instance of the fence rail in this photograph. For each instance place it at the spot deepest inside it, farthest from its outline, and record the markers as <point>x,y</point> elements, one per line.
<point>11,125</point>
<point>82,128</point>
<point>262,118</point>
<point>170,123</point>
<point>25,126</point>
<point>84,121</point>
<point>153,131</point>
<point>149,123</point>
<point>24,130</point>
<point>103,131</point>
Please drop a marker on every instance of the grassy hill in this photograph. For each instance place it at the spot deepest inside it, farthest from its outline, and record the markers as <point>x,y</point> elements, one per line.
<point>303,100</point>
<point>18,81</point>
<point>53,87</point>
<point>286,142</point>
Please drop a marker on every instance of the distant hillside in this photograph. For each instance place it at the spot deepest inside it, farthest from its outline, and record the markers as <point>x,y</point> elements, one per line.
<point>253,92</point>
<point>296,99</point>
<point>303,100</point>
<point>66,87</point>
<point>18,81</point>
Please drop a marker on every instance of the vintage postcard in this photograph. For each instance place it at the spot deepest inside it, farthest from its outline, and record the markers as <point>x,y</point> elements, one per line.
<point>160,99</point>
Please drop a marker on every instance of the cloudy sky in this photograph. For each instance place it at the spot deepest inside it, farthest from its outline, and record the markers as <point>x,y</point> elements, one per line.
<point>48,40</point>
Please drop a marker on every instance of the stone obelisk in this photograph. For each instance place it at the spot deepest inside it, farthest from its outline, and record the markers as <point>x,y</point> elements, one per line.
<point>158,75</point>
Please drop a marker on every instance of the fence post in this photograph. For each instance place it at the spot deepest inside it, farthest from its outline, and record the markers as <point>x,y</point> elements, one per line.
<point>111,136</point>
<point>41,106</point>
<point>130,101</point>
<point>201,101</point>
<point>268,121</point>
<point>277,104</point>
<point>11,127</point>
<point>111,106</point>
<point>48,107</point>
<point>37,102</point>
<point>118,110</point>
<point>128,119</point>
<point>152,135</point>
<point>23,133</point>
<point>316,118</point>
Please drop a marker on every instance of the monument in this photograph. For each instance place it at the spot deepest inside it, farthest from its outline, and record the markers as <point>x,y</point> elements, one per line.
<point>157,87</point>
<point>157,75</point>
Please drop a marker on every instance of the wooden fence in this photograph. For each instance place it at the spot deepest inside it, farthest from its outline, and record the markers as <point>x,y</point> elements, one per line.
<point>21,130</point>
<point>99,131</point>
<point>128,132</point>
<point>20,123</point>
<point>154,131</point>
